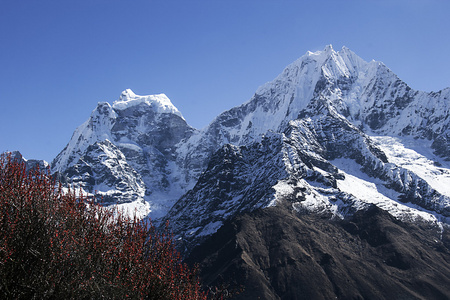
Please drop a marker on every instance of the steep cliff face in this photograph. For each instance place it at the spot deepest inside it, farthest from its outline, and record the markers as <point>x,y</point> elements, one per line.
<point>103,170</point>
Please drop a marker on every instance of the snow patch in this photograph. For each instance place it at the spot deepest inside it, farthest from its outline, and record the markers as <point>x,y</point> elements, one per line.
<point>210,228</point>
<point>138,209</point>
<point>416,155</point>
<point>372,190</point>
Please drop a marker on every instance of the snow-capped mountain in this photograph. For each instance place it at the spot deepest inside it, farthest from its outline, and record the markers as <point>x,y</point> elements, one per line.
<point>324,118</point>
<point>320,165</point>
<point>125,152</point>
<point>332,134</point>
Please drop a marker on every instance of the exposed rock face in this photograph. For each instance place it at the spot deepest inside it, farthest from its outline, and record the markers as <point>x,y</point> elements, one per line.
<point>103,170</point>
<point>275,253</point>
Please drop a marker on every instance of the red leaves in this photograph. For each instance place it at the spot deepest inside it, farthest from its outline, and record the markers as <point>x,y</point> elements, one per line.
<point>57,245</point>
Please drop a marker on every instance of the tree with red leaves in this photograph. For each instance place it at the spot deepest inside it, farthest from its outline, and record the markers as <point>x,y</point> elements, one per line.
<point>59,245</point>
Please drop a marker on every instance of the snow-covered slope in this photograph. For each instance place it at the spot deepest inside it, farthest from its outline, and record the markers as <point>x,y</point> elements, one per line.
<point>321,165</point>
<point>331,134</point>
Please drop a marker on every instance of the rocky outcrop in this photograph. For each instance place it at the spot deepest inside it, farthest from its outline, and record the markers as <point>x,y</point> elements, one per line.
<point>104,172</point>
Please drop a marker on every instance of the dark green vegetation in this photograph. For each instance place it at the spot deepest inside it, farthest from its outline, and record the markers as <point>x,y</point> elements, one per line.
<point>57,245</point>
<point>275,253</point>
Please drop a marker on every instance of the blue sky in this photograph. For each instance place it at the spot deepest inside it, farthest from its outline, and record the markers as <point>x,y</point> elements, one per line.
<point>59,58</point>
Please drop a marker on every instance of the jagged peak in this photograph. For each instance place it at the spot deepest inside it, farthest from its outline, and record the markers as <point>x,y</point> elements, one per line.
<point>342,63</point>
<point>319,56</point>
<point>328,48</point>
<point>159,102</point>
<point>332,63</point>
<point>322,56</point>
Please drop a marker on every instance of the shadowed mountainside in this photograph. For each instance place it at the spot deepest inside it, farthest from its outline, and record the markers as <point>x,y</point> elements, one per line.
<point>275,253</point>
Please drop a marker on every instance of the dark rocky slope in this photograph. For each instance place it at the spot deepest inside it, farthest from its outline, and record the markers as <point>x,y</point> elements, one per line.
<point>275,253</point>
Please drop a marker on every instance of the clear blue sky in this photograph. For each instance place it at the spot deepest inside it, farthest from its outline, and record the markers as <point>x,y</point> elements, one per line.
<point>59,58</point>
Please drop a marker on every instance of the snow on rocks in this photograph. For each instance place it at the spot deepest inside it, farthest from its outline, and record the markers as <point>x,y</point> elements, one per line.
<point>331,134</point>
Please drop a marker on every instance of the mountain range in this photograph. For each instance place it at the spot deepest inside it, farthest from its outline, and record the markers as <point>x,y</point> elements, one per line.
<point>280,189</point>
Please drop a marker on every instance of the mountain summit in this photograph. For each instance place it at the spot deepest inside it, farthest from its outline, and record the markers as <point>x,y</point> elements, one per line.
<point>125,153</point>
<point>159,103</point>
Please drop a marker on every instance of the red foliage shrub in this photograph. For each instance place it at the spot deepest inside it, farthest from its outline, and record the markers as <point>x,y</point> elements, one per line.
<point>57,245</point>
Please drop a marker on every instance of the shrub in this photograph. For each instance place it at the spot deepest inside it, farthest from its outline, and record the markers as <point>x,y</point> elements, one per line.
<point>60,245</point>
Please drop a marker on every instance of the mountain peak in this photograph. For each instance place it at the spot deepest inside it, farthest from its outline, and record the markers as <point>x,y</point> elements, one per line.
<point>159,102</point>
<point>327,51</point>
<point>322,55</point>
<point>126,95</point>
<point>328,48</point>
